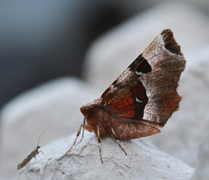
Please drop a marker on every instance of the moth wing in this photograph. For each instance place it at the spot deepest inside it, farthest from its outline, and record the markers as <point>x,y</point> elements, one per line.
<point>147,88</point>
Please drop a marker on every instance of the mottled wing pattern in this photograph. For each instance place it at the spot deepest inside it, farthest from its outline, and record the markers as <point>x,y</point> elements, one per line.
<point>149,84</point>
<point>127,94</point>
<point>132,105</point>
<point>167,62</point>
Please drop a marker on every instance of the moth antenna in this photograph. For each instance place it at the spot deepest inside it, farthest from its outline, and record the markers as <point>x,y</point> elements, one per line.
<point>39,138</point>
<point>114,134</point>
<point>99,141</point>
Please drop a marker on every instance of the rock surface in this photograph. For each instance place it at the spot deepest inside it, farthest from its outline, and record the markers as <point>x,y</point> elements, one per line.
<point>144,161</point>
<point>203,163</point>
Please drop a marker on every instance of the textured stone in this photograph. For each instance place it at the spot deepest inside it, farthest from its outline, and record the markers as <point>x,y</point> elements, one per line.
<point>203,163</point>
<point>144,161</point>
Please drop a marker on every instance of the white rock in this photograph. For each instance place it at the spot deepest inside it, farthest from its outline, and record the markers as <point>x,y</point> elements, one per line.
<point>143,161</point>
<point>50,106</point>
<point>203,164</point>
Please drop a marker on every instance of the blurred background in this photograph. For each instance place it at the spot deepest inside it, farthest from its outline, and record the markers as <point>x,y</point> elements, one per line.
<point>41,41</point>
<point>44,40</point>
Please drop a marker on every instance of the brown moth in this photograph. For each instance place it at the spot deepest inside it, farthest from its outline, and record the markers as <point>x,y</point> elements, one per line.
<point>142,98</point>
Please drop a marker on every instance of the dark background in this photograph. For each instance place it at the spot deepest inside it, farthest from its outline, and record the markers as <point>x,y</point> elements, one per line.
<point>44,40</point>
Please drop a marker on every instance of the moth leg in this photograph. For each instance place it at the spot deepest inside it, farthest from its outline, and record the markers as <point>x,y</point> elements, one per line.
<point>44,169</point>
<point>99,141</point>
<point>78,134</point>
<point>118,140</point>
<point>38,154</point>
<point>84,122</point>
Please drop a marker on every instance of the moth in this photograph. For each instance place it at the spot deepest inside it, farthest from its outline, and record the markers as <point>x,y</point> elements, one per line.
<point>32,155</point>
<point>142,98</point>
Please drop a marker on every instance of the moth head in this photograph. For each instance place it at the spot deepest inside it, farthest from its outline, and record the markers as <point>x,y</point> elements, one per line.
<point>85,110</point>
<point>89,108</point>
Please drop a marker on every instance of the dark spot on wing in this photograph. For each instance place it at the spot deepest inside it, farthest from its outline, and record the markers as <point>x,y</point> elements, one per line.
<point>170,43</point>
<point>140,65</point>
